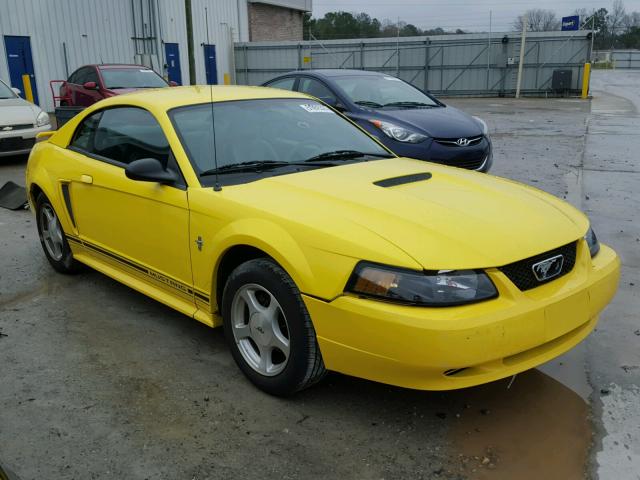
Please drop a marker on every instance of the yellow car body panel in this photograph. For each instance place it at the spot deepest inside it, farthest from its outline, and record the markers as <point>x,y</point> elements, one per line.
<point>169,243</point>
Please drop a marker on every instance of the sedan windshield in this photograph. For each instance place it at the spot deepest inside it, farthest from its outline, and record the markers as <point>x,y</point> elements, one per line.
<point>377,91</point>
<point>5,91</point>
<point>131,78</point>
<point>267,134</point>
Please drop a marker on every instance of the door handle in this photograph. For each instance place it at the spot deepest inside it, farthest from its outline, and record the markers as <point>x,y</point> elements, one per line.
<point>86,179</point>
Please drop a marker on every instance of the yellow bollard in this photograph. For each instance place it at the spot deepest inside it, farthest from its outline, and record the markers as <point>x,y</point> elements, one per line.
<point>227,79</point>
<point>28,93</point>
<point>586,78</point>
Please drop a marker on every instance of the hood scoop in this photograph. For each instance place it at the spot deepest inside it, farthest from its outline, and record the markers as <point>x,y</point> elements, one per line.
<point>404,179</point>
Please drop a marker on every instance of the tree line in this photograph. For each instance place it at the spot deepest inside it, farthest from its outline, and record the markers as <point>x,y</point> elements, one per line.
<point>614,29</point>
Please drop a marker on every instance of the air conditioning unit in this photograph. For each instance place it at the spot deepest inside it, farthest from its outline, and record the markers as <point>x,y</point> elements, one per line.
<point>561,80</point>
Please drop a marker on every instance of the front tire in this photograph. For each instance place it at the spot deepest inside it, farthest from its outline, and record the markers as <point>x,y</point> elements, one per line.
<point>268,329</point>
<point>52,238</point>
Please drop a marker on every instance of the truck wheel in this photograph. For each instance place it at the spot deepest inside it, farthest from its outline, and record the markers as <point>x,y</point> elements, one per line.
<point>269,330</point>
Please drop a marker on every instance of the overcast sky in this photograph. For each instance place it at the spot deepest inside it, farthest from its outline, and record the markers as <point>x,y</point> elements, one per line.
<point>466,14</point>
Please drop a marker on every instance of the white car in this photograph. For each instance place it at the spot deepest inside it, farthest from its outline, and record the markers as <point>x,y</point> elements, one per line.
<point>20,122</point>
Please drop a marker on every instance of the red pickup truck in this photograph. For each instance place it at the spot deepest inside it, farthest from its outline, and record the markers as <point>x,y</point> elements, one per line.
<point>91,83</point>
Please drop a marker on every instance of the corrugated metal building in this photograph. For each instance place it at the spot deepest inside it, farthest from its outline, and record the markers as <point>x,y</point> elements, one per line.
<point>51,39</point>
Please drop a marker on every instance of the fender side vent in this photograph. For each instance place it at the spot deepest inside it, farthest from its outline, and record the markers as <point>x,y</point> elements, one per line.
<point>67,201</point>
<point>395,181</point>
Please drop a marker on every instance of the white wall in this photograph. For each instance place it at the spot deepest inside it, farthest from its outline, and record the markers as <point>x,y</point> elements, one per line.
<point>100,31</point>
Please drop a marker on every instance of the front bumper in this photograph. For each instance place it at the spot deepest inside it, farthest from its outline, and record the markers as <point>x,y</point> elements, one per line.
<point>457,347</point>
<point>19,142</point>
<point>476,157</point>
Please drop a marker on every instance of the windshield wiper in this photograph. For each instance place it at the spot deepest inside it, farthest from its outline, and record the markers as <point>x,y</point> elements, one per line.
<point>258,165</point>
<point>408,104</point>
<point>367,103</point>
<point>345,155</point>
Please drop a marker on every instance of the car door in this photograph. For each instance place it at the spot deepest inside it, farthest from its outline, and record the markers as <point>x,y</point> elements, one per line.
<point>140,228</point>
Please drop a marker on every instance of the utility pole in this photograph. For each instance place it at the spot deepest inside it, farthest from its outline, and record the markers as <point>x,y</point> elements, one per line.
<point>398,48</point>
<point>593,34</point>
<point>489,50</point>
<point>192,59</point>
<point>525,25</point>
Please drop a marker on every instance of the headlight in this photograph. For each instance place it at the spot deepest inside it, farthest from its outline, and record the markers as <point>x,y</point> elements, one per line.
<point>592,241</point>
<point>435,289</point>
<point>483,124</point>
<point>42,119</point>
<point>400,134</point>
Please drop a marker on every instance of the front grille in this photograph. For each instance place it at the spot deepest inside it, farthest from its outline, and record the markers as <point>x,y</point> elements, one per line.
<point>451,142</point>
<point>468,163</point>
<point>16,143</point>
<point>521,272</point>
<point>22,126</point>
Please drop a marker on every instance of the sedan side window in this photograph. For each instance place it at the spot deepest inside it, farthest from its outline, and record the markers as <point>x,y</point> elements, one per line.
<point>126,134</point>
<point>313,87</point>
<point>91,76</point>
<point>80,76</point>
<point>284,84</point>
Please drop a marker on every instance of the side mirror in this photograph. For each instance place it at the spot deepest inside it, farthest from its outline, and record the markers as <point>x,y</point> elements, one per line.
<point>150,170</point>
<point>90,85</point>
<point>17,91</point>
<point>173,84</point>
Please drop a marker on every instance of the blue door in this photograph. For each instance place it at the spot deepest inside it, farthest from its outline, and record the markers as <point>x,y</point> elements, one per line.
<point>172,54</point>
<point>20,63</point>
<point>210,64</point>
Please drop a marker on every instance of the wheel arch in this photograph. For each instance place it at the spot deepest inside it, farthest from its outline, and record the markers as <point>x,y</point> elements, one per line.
<point>239,242</point>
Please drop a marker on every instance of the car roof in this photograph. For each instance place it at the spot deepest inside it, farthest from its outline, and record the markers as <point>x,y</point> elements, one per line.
<point>106,66</point>
<point>168,98</point>
<point>333,72</point>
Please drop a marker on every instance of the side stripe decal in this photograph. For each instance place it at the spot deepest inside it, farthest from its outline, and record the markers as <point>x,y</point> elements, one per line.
<point>142,269</point>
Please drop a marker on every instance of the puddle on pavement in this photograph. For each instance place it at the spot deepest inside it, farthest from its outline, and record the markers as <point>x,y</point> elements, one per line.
<point>538,428</point>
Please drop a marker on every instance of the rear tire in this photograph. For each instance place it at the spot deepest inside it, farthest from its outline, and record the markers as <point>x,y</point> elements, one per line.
<point>52,238</point>
<point>268,329</point>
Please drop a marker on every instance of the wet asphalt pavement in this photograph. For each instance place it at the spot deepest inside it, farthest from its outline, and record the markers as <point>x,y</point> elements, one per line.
<point>100,382</point>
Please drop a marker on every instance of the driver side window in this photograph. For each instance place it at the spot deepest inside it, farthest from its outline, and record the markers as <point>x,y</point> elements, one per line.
<point>313,87</point>
<point>122,135</point>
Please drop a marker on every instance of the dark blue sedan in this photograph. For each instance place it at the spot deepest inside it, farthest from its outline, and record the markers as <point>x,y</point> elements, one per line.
<point>407,120</point>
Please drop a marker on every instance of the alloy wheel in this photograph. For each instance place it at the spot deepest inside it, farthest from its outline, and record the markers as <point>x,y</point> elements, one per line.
<point>260,329</point>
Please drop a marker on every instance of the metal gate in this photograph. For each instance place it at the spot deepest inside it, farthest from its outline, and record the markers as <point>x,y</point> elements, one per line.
<point>470,64</point>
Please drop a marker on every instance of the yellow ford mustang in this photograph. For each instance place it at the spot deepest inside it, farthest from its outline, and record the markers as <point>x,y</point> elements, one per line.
<point>316,248</point>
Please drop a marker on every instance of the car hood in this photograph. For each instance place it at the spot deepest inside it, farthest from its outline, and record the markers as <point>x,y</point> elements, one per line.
<point>439,122</point>
<point>16,111</point>
<point>454,220</point>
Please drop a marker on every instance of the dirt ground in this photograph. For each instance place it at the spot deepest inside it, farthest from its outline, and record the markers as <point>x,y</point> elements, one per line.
<point>100,382</point>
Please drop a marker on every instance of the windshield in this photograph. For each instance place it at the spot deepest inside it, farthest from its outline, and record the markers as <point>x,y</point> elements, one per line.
<point>266,130</point>
<point>131,78</point>
<point>5,91</point>
<point>381,90</point>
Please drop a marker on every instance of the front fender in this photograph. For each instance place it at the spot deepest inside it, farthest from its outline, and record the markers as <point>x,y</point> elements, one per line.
<point>270,238</point>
